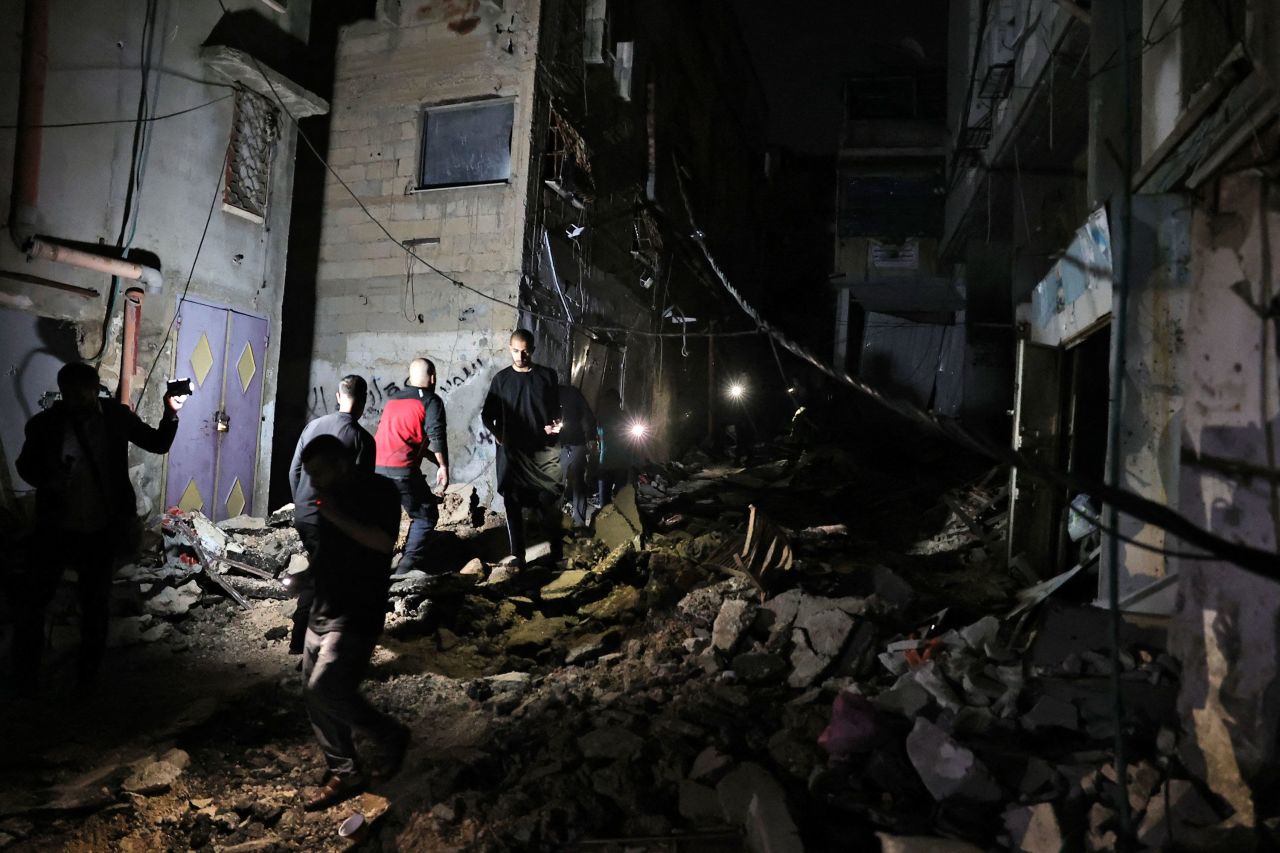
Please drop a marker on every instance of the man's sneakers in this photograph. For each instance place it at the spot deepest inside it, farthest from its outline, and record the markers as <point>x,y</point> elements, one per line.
<point>338,789</point>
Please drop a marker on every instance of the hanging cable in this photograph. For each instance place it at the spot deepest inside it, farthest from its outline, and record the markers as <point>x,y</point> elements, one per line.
<point>1260,562</point>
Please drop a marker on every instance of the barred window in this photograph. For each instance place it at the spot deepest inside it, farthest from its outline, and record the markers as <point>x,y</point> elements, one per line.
<point>253,136</point>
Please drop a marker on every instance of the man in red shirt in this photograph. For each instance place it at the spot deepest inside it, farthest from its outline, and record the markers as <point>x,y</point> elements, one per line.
<point>412,426</point>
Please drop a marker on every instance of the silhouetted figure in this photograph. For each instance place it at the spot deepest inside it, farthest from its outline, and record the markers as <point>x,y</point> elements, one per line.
<point>522,411</point>
<point>359,521</point>
<point>412,426</point>
<point>76,454</point>
<point>344,424</point>
<point>578,432</point>
<point>617,454</point>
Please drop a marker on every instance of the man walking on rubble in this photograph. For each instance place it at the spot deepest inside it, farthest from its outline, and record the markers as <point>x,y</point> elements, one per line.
<point>359,520</point>
<point>344,424</point>
<point>412,425</point>
<point>522,411</point>
<point>578,432</point>
<point>76,454</point>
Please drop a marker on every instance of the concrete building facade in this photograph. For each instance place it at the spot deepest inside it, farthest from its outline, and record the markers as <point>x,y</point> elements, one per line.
<point>504,164</point>
<point>1114,168</point>
<point>131,199</point>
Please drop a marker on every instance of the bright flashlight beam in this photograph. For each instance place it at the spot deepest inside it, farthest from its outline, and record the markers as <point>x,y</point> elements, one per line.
<point>638,430</point>
<point>737,390</point>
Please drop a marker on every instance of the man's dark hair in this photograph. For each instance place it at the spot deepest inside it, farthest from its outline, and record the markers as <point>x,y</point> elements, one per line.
<point>354,387</point>
<point>327,447</point>
<point>523,335</point>
<point>78,374</point>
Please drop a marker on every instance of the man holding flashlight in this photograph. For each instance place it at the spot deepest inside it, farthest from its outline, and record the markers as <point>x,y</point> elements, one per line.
<point>76,454</point>
<point>579,431</point>
<point>522,411</point>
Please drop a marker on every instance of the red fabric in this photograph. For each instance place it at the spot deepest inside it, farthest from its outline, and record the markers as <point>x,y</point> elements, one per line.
<point>401,437</point>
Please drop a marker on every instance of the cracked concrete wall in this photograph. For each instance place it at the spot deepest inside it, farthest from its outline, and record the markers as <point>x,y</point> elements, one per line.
<point>93,75</point>
<point>1226,630</point>
<point>375,311</point>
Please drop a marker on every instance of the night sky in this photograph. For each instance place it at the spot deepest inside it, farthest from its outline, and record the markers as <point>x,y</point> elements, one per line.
<point>804,53</point>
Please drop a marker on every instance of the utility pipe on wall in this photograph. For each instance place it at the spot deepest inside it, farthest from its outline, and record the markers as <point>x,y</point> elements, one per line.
<point>129,356</point>
<point>27,145</point>
<point>25,199</point>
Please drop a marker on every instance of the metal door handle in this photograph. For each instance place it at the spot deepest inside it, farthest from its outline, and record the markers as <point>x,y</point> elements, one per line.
<point>222,423</point>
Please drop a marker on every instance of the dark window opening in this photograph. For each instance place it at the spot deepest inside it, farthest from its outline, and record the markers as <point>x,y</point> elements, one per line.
<point>466,144</point>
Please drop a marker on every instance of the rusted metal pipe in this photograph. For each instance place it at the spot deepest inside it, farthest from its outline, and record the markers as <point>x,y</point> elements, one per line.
<point>27,145</point>
<point>129,356</point>
<point>44,250</point>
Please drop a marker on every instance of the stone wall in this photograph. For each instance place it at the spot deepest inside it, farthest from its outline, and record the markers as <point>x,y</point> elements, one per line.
<point>374,310</point>
<point>93,75</point>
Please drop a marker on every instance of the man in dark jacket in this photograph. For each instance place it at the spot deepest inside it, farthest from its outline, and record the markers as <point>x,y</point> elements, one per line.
<point>344,425</point>
<point>522,411</point>
<point>359,519</point>
<point>579,430</point>
<point>76,454</point>
<point>412,425</point>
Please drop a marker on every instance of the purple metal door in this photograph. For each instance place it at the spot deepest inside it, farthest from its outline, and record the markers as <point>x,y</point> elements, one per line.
<point>242,414</point>
<point>201,354</point>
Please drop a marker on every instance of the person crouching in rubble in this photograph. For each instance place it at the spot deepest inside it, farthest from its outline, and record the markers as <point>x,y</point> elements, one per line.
<point>76,454</point>
<point>359,521</point>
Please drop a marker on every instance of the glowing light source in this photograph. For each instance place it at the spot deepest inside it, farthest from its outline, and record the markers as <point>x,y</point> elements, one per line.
<point>737,391</point>
<point>638,430</point>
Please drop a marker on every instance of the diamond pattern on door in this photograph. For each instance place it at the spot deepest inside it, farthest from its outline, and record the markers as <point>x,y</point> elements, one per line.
<point>247,366</point>
<point>191,498</point>
<point>202,359</point>
<point>235,500</point>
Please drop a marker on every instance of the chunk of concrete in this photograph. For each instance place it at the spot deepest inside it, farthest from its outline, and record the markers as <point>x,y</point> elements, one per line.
<point>699,804</point>
<point>948,769</point>
<point>806,664</point>
<point>827,630</point>
<point>243,524</point>
<point>619,522</point>
<point>731,623</point>
<point>156,777</point>
<point>784,608</point>
<point>770,828</point>
<point>708,764</point>
<point>565,585</point>
<point>1051,712</point>
<point>1034,828</point>
<point>173,601</point>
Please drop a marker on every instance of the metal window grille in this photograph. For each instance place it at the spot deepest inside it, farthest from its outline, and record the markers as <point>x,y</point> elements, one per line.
<point>253,136</point>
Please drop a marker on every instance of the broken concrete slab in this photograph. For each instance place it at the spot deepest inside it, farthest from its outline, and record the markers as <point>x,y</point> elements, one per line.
<point>1034,828</point>
<point>740,785</point>
<point>173,601</point>
<point>769,826</point>
<point>906,698</point>
<point>947,768</point>
<point>709,764</point>
<point>212,539</point>
<point>827,629</point>
<point>619,522</point>
<point>537,633</point>
<point>731,623</point>
<point>1178,808</point>
<point>565,585</point>
<point>621,600</point>
<point>784,608</point>
<point>459,507</point>
<point>806,664</point>
<point>243,524</point>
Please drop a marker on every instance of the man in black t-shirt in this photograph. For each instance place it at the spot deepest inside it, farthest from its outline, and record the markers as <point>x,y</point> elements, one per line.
<point>359,521</point>
<point>522,411</point>
<point>344,424</point>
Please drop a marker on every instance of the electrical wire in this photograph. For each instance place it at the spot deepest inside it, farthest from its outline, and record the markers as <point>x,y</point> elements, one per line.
<point>213,203</point>
<point>457,282</point>
<point>1255,560</point>
<point>149,119</point>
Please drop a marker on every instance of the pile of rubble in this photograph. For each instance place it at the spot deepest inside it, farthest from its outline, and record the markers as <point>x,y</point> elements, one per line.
<point>738,656</point>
